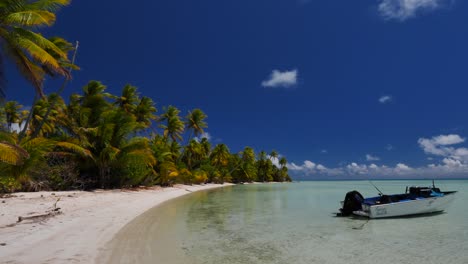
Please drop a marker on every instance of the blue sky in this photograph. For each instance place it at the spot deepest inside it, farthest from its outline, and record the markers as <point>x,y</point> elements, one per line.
<point>343,89</point>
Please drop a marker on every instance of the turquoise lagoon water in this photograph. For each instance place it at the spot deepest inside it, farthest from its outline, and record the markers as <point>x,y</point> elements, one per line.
<point>292,223</point>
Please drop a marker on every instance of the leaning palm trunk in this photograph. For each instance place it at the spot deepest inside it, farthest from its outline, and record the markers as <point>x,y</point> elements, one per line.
<point>26,123</point>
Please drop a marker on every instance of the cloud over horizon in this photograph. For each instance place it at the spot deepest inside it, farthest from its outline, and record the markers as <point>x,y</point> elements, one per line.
<point>283,79</point>
<point>453,163</point>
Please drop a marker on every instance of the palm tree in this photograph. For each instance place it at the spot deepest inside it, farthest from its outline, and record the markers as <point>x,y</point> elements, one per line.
<point>53,108</point>
<point>196,122</point>
<point>283,162</point>
<point>104,129</point>
<point>174,126</point>
<point>166,168</point>
<point>264,167</point>
<point>220,156</point>
<point>143,108</point>
<point>10,152</point>
<point>145,112</point>
<point>248,169</point>
<point>194,153</point>
<point>34,55</point>
<point>12,114</point>
<point>18,159</point>
<point>206,146</point>
<point>127,101</point>
<point>273,155</point>
<point>87,110</point>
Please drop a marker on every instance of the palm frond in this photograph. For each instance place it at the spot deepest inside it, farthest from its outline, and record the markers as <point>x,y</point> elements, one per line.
<point>39,54</point>
<point>40,40</point>
<point>30,18</point>
<point>74,148</point>
<point>38,145</point>
<point>28,69</point>
<point>50,5</point>
<point>12,154</point>
<point>143,156</point>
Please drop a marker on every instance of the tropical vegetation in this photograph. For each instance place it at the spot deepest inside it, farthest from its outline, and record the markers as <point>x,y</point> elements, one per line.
<point>102,140</point>
<point>95,139</point>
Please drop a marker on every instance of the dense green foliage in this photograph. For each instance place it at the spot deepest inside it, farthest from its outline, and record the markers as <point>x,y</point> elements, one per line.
<point>101,140</point>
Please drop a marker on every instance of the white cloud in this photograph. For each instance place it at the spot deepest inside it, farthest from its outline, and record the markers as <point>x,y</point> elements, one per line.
<point>320,167</point>
<point>385,99</point>
<point>15,127</point>
<point>404,9</point>
<point>402,167</point>
<point>203,135</point>
<point>281,79</point>
<point>309,164</point>
<point>453,163</point>
<point>448,139</point>
<point>324,151</point>
<point>439,146</point>
<point>369,157</point>
<point>389,147</point>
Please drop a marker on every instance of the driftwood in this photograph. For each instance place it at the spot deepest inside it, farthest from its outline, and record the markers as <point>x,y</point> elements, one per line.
<point>39,217</point>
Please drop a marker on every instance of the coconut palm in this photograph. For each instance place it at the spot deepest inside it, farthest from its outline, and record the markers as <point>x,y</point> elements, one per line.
<point>104,129</point>
<point>283,162</point>
<point>194,153</point>
<point>34,55</point>
<point>220,156</point>
<point>195,122</point>
<point>264,167</point>
<point>206,146</point>
<point>18,159</point>
<point>129,98</point>
<point>86,110</point>
<point>12,114</point>
<point>173,127</point>
<point>166,169</point>
<point>10,152</point>
<point>47,114</point>
<point>145,112</point>
<point>248,171</point>
<point>273,155</point>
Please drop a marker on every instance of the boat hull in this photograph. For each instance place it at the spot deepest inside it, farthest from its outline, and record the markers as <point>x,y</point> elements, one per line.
<point>405,208</point>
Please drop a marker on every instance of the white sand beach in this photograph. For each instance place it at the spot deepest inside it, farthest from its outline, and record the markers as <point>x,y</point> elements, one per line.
<point>88,220</point>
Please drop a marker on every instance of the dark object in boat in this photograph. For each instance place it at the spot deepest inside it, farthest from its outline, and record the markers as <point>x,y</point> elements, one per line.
<point>353,202</point>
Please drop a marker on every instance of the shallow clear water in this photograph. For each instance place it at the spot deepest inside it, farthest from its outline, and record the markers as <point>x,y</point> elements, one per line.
<point>292,223</point>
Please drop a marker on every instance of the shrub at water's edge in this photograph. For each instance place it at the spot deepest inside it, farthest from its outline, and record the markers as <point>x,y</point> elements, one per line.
<point>102,140</point>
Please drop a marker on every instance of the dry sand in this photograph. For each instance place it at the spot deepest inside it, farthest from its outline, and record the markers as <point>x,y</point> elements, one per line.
<point>88,220</point>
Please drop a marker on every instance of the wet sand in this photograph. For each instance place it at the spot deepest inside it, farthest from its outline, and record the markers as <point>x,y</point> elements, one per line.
<point>87,222</point>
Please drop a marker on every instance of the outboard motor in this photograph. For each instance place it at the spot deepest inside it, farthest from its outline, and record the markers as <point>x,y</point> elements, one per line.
<point>352,202</point>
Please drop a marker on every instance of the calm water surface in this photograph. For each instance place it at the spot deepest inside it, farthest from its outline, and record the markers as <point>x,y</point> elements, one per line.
<point>292,223</point>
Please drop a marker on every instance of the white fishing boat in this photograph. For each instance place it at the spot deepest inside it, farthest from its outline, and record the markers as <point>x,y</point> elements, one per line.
<point>415,200</point>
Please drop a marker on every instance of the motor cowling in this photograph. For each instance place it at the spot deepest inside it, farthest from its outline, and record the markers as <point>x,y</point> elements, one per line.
<point>352,202</point>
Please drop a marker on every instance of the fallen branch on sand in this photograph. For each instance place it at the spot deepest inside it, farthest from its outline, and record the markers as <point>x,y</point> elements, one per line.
<point>39,217</point>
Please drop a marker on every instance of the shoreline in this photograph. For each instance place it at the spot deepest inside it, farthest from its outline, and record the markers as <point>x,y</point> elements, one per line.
<point>88,220</point>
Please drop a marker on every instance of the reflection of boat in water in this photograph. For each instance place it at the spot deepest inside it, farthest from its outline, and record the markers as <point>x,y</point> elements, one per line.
<point>415,200</point>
